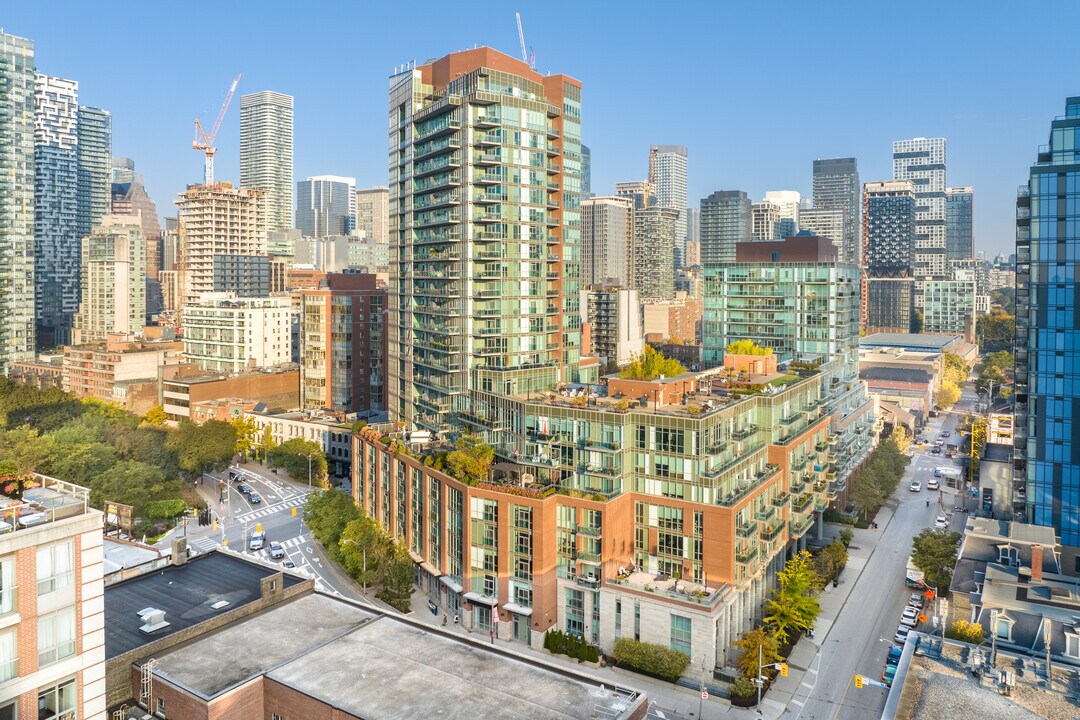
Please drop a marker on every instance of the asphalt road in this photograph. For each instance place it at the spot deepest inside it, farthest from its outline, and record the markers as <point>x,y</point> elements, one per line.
<point>858,642</point>
<point>238,518</point>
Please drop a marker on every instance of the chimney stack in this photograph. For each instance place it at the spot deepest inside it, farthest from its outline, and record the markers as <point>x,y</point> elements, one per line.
<point>1036,563</point>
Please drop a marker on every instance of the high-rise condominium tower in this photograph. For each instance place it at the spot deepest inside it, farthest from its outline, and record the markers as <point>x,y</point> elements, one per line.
<point>725,222</point>
<point>607,233</point>
<point>959,227</point>
<point>266,152</point>
<point>326,205</point>
<point>789,202</point>
<point>95,166</point>
<point>113,283</point>
<point>1045,460</point>
<point>56,207</point>
<point>836,187</point>
<point>485,182</point>
<point>765,221</point>
<point>653,252</point>
<point>129,197</point>
<point>373,213</point>
<point>16,200</point>
<point>922,160</point>
<point>586,171</point>
<point>826,224</point>
<point>888,257</point>
<point>667,171</point>
<point>217,220</point>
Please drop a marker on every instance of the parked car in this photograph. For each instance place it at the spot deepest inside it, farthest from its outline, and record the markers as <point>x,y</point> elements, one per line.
<point>933,484</point>
<point>916,601</point>
<point>888,675</point>
<point>901,634</point>
<point>257,541</point>
<point>910,617</point>
<point>941,523</point>
<point>255,498</point>
<point>894,655</point>
<point>277,552</point>
<point>939,443</point>
<point>936,450</point>
<point>915,486</point>
<point>288,564</point>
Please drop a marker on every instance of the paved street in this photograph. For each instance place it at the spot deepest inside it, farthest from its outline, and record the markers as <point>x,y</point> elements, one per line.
<point>239,518</point>
<point>857,640</point>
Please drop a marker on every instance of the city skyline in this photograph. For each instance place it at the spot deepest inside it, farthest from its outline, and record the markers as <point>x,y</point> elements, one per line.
<point>342,133</point>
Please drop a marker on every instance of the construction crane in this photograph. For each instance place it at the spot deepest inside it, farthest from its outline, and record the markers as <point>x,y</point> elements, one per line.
<point>525,57</point>
<point>205,141</point>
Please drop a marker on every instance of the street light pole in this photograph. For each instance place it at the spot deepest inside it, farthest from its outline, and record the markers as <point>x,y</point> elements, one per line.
<point>760,682</point>
<point>309,471</point>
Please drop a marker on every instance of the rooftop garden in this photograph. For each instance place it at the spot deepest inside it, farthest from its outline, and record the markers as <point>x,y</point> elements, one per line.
<point>650,365</point>
<point>747,347</point>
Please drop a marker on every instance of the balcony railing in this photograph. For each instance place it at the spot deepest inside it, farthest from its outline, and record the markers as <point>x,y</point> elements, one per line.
<point>747,530</point>
<point>747,556</point>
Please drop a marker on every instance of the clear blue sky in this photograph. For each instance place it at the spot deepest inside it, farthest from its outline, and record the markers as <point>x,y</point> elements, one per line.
<point>755,90</point>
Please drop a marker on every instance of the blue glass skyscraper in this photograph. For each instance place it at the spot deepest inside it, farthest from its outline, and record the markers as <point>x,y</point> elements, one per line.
<point>1046,461</point>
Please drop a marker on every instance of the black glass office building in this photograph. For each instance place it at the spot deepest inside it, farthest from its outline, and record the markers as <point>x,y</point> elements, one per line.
<point>1047,439</point>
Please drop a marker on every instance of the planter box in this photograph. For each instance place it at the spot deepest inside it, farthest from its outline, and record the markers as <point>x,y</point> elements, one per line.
<point>744,701</point>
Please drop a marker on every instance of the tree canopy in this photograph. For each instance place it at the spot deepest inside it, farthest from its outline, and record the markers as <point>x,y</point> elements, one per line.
<point>934,552</point>
<point>747,347</point>
<point>201,448</point>
<point>947,395</point>
<point>471,459</point>
<point>749,643</point>
<point>996,331</point>
<point>297,456</point>
<point>650,365</point>
<point>793,605</point>
<point>955,370</point>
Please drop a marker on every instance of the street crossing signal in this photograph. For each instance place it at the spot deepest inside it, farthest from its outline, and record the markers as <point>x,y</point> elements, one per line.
<point>783,669</point>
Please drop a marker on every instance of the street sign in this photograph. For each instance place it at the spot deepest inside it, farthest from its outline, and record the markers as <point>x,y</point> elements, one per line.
<point>704,694</point>
<point>922,618</point>
<point>862,681</point>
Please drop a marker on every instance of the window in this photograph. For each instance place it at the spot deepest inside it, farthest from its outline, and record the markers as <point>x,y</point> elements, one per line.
<point>161,707</point>
<point>9,661</point>
<point>58,702</point>
<point>55,567</point>
<point>1004,629</point>
<point>680,634</point>
<point>56,636</point>
<point>1072,645</point>
<point>8,588</point>
<point>275,716</point>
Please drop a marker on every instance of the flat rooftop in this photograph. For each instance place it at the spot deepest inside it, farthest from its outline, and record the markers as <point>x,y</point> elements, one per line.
<point>246,649</point>
<point>909,341</point>
<point>380,666</point>
<point>185,592</point>
<point>51,500</point>
<point>121,554</point>
<point>390,669</point>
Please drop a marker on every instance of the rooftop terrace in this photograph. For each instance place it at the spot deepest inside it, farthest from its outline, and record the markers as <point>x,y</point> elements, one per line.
<point>44,500</point>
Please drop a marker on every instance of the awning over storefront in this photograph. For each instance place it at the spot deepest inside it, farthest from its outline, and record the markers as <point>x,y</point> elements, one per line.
<point>430,569</point>
<point>449,582</point>
<point>478,598</point>
<point>517,609</point>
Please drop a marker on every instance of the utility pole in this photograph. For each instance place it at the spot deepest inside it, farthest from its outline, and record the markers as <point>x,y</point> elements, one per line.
<point>701,694</point>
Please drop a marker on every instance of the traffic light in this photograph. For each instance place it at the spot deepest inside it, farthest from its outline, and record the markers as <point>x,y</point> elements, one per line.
<point>783,669</point>
<point>258,527</point>
<point>858,681</point>
<point>214,525</point>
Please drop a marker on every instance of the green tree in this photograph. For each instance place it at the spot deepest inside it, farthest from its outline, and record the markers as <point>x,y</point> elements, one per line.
<point>1001,359</point>
<point>990,379</point>
<point>1005,299</point>
<point>246,435</point>
<point>917,322</point>
<point>201,448</point>
<point>471,460</point>
<point>793,605</point>
<point>80,463</point>
<point>132,483</point>
<point>867,493</point>
<point>24,450</point>
<point>327,513</point>
<point>749,643</point>
<point>397,578</point>
<point>149,445</point>
<point>365,549</point>
<point>747,347</point>
<point>947,395</point>
<point>650,365</point>
<point>111,412</point>
<point>165,509</point>
<point>298,456</point>
<point>156,417</point>
<point>934,552</point>
<point>996,331</point>
<point>46,410</point>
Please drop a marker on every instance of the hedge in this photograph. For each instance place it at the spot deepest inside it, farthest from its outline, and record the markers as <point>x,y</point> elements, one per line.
<point>562,643</point>
<point>650,659</point>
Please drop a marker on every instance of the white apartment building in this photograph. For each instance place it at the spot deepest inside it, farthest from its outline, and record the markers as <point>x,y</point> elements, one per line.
<point>113,282</point>
<point>373,213</point>
<point>224,333</point>
<point>824,223</point>
<point>922,160</point>
<point>52,614</point>
<point>607,231</point>
<point>217,219</point>
<point>667,171</point>
<point>266,152</point>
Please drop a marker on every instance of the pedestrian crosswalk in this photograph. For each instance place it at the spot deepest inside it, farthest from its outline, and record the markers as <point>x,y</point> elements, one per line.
<point>270,510</point>
<point>205,544</point>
